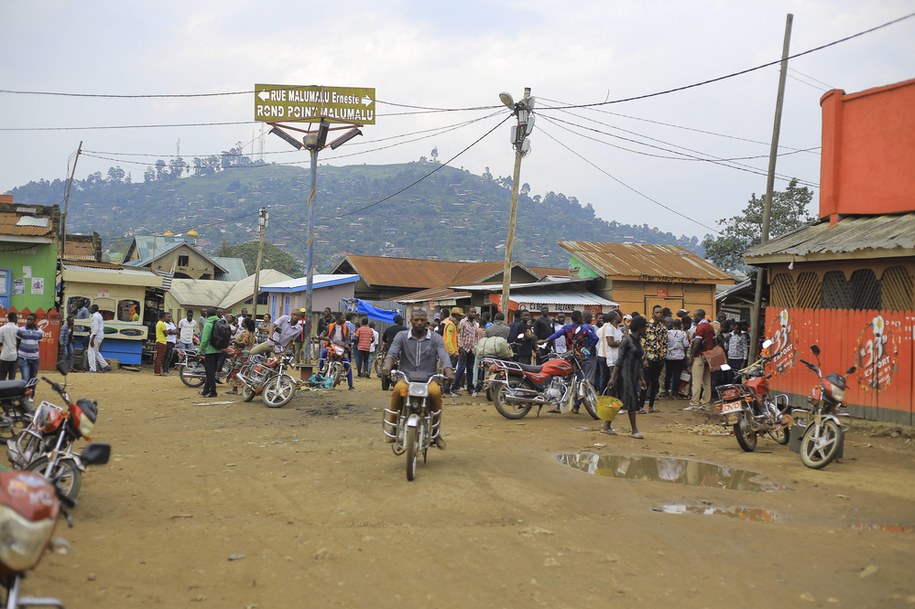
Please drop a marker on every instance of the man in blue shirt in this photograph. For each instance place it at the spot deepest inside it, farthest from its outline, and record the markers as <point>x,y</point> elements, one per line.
<point>29,338</point>
<point>580,340</point>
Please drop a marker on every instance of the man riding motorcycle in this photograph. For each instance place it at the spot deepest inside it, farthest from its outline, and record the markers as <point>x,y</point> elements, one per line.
<point>416,351</point>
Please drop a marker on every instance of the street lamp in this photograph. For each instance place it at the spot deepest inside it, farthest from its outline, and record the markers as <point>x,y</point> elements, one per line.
<point>523,111</point>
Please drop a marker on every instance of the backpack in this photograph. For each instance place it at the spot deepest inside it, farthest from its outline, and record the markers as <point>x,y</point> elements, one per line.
<point>221,335</point>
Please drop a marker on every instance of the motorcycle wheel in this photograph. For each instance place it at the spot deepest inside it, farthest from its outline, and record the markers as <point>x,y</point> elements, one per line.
<point>247,394</point>
<point>746,437</point>
<point>377,366</point>
<point>279,390</point>
<point>780,436</point>
<point>336,372</point>
<point>589,398</point>
<point>510,411</point>
<point>192,375</point>
<point>69,478</point>
<point>412,449</point>
<point>821,444</point>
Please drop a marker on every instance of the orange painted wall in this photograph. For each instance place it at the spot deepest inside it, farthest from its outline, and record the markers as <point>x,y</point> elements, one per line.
<point>868,151</point>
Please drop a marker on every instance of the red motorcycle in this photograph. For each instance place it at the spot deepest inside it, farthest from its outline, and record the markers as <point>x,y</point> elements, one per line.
<point>29,508</point>
<point>516,387</point>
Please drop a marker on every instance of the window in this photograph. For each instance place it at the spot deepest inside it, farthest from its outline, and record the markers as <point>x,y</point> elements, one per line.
<point>808,290</point>
<point>183,260</point>
<point>128,310</point>
<point>835,293</point>
<point>106,306</point>
<point>865,290</point>
<point>782,291</point>
<point>74,303</point>
<point>896,286</point>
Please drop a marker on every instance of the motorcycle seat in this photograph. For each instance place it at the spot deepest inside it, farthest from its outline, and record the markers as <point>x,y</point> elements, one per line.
<point>11,389</point>
<point>530,368</point>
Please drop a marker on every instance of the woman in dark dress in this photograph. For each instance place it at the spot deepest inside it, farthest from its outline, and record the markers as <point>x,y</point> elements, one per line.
<point>628,375</point>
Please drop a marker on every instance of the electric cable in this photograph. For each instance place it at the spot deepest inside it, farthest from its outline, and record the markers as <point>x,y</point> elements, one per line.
<point>414,183</point>
<point>627,186</point>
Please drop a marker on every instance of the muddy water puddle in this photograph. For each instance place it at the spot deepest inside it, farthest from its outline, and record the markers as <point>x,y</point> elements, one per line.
<point>737,513</point>
<point>884,527</point>
<point>665,469</point>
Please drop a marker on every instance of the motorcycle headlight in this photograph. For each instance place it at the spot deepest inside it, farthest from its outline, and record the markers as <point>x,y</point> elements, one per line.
<point>22,541</point>
<point>838,394</point>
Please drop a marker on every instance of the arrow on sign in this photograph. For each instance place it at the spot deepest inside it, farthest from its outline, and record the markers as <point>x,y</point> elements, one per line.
<point>264,95</point>
<point>367,101</point>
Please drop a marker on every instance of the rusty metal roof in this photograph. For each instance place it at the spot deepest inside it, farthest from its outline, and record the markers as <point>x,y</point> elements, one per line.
<point>17,223</point>
<point>857,235</point>
<point>421,274</point>
<point>645,262</point>
<point>433,294</point>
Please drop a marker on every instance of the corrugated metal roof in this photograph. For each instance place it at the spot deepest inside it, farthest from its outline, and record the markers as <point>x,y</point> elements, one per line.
<point>421,274</point>
<point>244,288</point>
<point>437,294</point>
<point>318,280</point>
<point>104,267</point>
<point>645,262</point>
<point>859,234</point>
<point>33,221</point>
<point>79,250</point>
<point>199,292</point>
<point>561,297</point>
<point>14,224</point>
<point>235,268</point>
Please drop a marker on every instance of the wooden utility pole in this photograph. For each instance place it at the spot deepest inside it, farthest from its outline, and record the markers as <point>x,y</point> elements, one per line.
<point>261,229</point>
<point>63,221</point>
<point>770,186</point>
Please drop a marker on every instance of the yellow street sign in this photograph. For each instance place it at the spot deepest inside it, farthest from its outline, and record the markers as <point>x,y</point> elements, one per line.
<point>292,103</point>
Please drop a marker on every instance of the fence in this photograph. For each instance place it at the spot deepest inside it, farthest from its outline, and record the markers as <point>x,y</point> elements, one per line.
<point>880,343</point>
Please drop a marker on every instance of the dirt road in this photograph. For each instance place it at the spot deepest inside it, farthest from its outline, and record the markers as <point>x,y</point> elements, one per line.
<point>234,505</point>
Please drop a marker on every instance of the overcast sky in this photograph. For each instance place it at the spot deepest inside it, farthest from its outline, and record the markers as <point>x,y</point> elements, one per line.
<point>454,55</point>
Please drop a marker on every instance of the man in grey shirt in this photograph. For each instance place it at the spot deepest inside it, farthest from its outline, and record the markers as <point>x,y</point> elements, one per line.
<point>418,351</point>
<point>498,327</point>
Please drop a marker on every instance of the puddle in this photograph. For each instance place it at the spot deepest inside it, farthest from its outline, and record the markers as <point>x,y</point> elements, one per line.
<point>665,469</point>
<point>740,513</point>
<point>886,528</point>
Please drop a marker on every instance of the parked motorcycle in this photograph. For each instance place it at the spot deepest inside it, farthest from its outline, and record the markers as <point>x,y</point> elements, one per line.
<point>29,509</point>
<point>333,366</point>
<point>46,445</point>
<point>191,370</point>
<point>749,408</point>
<point>516,388</point>
<point>822,435</point>
<point>16,405</point>
<point>267,377</point>
<point>417,427</point>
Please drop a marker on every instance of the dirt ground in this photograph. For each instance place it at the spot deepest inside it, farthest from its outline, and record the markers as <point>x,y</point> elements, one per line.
<point>234,505</point>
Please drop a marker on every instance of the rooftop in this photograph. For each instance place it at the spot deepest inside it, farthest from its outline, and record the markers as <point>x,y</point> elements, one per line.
<point>645,262</point>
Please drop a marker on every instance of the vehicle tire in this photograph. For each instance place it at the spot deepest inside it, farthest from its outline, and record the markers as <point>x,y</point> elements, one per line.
<point>279,390</point>
<point>377,366</point>
<point>412,449</point>
<point>192,375</point>
<point>589,398</point>
<point>746,437</point>
<point>510,411</point>
<point>70,477</point>
<point>821,444</point>
<point>247,394</point>
<point>335,371</point>
<point>781,436</point>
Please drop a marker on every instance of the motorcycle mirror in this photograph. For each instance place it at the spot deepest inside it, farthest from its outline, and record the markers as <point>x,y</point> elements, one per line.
<point>815,349</point>
<point>520,336</point>
<point>96,453</point>
<point>852,370</point>
<point>767,344</point>
<point>62,367</point>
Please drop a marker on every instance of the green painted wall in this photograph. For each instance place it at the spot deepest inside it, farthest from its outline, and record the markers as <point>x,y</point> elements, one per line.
<point>42,259</point>
<point>583,271</point>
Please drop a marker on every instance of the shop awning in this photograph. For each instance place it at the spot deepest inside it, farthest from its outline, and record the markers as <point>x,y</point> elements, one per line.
<point>556,301</point>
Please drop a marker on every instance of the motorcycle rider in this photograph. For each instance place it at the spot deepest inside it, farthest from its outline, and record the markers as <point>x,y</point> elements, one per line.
<point>339,333</point>
<point>580,339</point>
<point>388,337</point>
<point>280,334</point>
<point>417,353</point>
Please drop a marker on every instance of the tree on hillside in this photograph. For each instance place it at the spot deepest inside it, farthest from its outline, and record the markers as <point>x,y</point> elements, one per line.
<point>789,212</point>
<point>274,257</point>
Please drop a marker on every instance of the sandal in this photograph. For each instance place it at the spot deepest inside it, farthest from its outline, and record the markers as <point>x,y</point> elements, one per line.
<point>641,411</point>
<point>637,436</point>
<point>609,432</point>
<point>653,410</point>
<point>554,411</point>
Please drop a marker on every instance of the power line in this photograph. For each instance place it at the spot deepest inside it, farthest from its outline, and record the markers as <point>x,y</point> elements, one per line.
<point>825,84</point>
<point>742,72</point>
<point>441,166</point>
<point>100,127</point>
<point>621,183</point>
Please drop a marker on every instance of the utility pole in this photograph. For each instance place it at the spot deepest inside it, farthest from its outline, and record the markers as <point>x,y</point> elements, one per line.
<point>523,111</point>
<point>770,186</point>
<point>63,222</point>
<point>261,229</point>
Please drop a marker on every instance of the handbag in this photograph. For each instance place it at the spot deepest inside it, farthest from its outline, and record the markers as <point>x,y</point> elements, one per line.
<point>715,358</point>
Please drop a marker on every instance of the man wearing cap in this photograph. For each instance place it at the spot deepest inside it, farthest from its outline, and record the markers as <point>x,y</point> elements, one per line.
<point>298,342</point>
<point>701,374</point>
<point>450,336</point>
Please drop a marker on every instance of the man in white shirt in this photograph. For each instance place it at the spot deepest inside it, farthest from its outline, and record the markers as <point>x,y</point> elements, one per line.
<point>187,328</point>
<point>96,336</point>
<point>171,339</point>
<point>613,336</point>
<point>9,353</point>
<point>559,344</point>
<point>281,334</point>
<point>601,350</point>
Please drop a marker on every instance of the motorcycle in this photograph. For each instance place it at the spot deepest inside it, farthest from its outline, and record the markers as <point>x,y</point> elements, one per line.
<point>46,445</point>
<point>417,427</point>
<point>266,376</point>
<point>821,433</point>
<point>191,370</point>
<point>749,409</point>
<point>516,388</point>
<point>16,405</point>
<point>333,366</point>
<point>29,509</point>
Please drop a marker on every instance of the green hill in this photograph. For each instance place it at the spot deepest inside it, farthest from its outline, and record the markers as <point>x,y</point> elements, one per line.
<point>453,214</point>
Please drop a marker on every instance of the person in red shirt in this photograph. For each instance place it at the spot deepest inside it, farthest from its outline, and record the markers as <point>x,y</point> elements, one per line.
<point>364,337</point>
<point>701,375</point>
